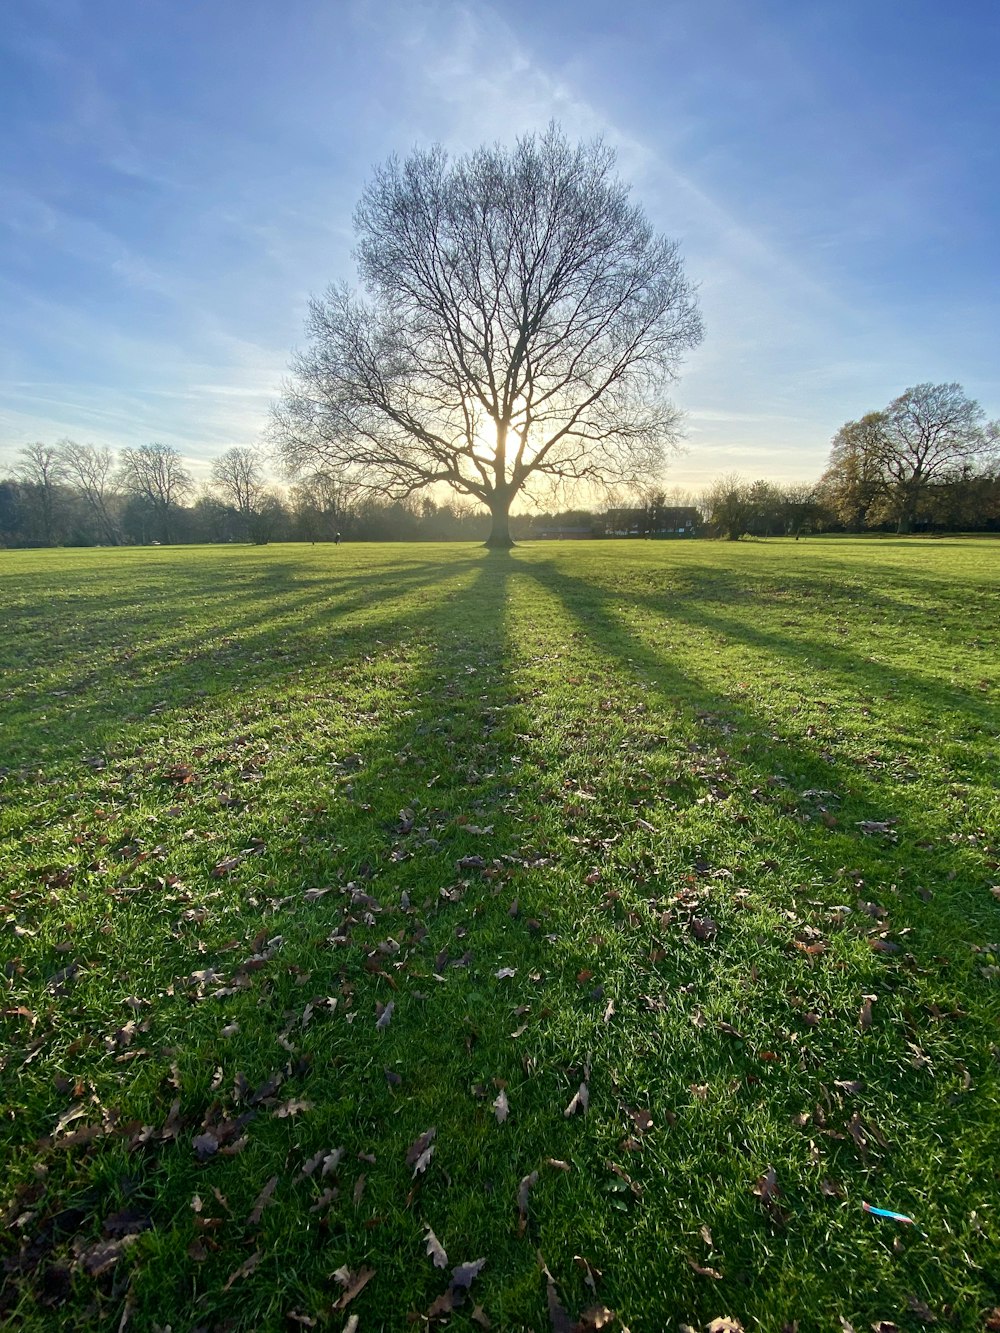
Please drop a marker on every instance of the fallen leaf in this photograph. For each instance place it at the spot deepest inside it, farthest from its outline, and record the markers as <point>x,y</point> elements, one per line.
<point>703,1271</point>
<point>245,1269</point>
<point>435,1249</point>
<point>353,1284</point>
<point>384,1014</point>
<point>293,1107</point>
<point>102,1256</point>
<point>464,1275</point>
<point>505,972</point>
<point>768,1191</point>
<point>126,1223</point>
<point>522,1201</point>
<point>263,1199</point>
<point>501,1109</point>
<point>725,1324</point>
<point>558,1318</point>
<point>921,1310</point>
<point>594,1319</point>
<point>421,1151</point>
<point>591,1275</point>
<point>642,1120</point>
<point>579,1101</point>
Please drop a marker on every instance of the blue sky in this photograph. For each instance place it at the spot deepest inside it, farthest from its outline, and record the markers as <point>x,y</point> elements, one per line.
<point>177,179</point>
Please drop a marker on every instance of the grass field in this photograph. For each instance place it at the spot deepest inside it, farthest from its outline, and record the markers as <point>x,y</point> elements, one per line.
<point>572,938</point>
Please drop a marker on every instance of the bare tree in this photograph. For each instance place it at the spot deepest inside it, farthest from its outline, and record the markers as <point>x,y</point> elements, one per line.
<point>41,469</point>
<point>238,475</point>
<point>522,322</point>
<point>91,470</point>
<point>154,473</point>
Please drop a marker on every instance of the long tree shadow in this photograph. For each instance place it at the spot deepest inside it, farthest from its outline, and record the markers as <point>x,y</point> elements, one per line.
<point>764,752</point>
<point>244,643</point>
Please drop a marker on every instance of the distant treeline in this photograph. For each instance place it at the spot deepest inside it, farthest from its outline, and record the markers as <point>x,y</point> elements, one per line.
<point>69,494</point>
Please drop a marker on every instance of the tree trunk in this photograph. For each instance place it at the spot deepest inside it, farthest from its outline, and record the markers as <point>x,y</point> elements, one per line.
<point>500,538</point>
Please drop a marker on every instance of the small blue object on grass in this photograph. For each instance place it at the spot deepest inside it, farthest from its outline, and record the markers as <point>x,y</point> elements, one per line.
<point>884,1212</point>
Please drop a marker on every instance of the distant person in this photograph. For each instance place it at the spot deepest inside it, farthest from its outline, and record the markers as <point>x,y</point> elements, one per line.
<point>336,540</point>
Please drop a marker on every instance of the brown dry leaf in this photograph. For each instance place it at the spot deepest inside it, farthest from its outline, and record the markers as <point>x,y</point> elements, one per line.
<point>245,1269</point>
<point>353,1284</point>
<point>522,1201</point>
<point>591,1275</point>
<point>359,1188</point>
<point>703,928</point>
<point>851,1085</point>
<point>435,1249</point>
<point>594,1319</point>
<point>128,1222</point>
<point>480,1317</point>
<point>263,1199</point>
<point>501,1108</point>
<point>768,1191</point>
<point>293,1107</point>
<point>704,1271</point>
<point>352,1324</point>
<point>921,1310</point>
<point>421,1151</point>
<point>384,1014</point>
<point>463,1276</point>
<point>642,1120</point>
<point>98,1258</point>
<point>558,1318</point>
<point>579,1101</point>
<point>205,1146</point>
<point>706,1236</point>
<point>725,1324</point>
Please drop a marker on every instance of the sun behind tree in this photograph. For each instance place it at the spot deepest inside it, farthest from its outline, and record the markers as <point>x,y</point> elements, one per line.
<point>521,320</point>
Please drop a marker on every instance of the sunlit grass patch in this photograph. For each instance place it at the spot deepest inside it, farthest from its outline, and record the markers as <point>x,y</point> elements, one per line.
<point>308,852</point>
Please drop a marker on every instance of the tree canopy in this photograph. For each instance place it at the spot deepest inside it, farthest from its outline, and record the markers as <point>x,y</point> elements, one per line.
<point>521,322</point>
<point>885,465</point>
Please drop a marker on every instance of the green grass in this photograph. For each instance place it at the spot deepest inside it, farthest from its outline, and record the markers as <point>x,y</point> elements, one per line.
<point>706,800</point>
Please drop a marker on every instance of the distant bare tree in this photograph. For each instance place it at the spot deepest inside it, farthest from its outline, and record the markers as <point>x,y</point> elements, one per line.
<point>523,322</point>
<point>154,473</point>
<point>91,470</point>
<point>42,468</point>
<point>238,476</point>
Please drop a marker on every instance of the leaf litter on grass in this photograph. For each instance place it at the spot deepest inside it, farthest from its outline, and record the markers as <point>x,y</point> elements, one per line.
<point>727,941</point>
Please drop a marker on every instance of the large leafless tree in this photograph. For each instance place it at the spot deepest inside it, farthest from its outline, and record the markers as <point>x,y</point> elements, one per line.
<point>238,476</point>
<point>91,469</point>
<point>41,468</point>
<point>156,474</point>
<point>521,322</point>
